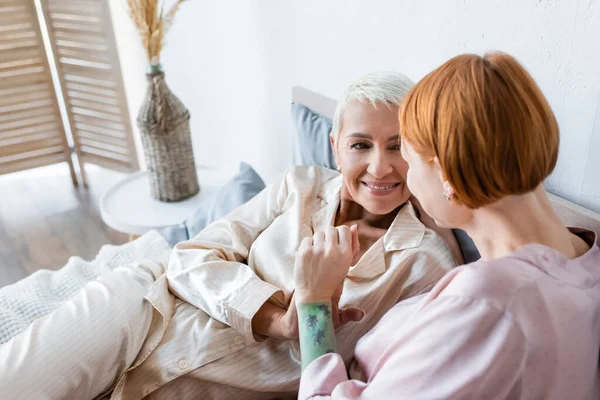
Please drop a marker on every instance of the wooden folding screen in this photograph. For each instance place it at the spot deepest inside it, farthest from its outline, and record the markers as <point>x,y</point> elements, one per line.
<point>84,52</point>
<point>31,129</point>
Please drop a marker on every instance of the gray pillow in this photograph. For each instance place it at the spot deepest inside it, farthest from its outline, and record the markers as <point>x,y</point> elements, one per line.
<point>174,234</point>
<point>312,137</point>
<point>241,188</point>
<point>467,246</point>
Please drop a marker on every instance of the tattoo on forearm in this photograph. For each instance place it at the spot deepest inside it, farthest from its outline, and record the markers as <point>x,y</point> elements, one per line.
<point>317,336</point>
<point>311,322</point>
<point>325,309</point>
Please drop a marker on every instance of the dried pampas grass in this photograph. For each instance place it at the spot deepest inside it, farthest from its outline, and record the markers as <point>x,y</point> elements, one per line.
<point>152,24</point>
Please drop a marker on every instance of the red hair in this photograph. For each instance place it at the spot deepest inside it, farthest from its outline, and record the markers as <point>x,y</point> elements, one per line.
<point>488,123</point>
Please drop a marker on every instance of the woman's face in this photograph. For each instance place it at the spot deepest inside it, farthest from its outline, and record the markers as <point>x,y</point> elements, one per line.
<point>368,152</point>
<point>426,182</point>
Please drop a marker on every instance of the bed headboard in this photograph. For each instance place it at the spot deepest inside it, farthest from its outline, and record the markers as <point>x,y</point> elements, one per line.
<point>571,214</point>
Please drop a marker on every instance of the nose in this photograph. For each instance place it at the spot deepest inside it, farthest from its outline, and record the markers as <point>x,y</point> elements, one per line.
<point>379,166</point>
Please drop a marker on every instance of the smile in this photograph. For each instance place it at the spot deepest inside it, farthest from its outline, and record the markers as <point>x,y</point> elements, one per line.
<point>381,189</point>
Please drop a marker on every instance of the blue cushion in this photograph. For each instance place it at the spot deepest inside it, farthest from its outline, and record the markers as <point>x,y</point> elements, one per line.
<point>241,188</point>
<point>174,234</point>
<point>312,133</point>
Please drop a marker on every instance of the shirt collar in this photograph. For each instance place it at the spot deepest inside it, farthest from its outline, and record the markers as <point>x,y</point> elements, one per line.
<point>406,231</point>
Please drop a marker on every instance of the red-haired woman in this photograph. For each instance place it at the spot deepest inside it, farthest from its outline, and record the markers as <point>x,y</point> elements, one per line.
<point>521,323</point>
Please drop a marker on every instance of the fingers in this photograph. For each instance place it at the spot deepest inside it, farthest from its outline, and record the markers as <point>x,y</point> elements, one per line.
<point>292,307</point>
<point>331,237</point>
<point>355,242</point>
<point>304,250</point>
<point>335,314</point>
<point>350,314</point>
<point>345,237</point>
<point>306,243</point>
<point>319,240</point>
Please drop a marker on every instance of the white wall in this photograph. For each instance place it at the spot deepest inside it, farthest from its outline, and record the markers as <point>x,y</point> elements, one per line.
<point>228,64</point>
<point>133,66</point>
<point>233,64</point>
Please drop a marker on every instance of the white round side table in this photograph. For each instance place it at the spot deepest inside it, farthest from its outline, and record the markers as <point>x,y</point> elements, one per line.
<point>129,207</point>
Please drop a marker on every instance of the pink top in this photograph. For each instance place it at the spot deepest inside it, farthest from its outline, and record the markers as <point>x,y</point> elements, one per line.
<point>525,326</point>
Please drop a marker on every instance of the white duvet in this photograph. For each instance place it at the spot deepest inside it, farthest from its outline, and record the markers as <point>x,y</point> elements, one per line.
<point>43,291</point>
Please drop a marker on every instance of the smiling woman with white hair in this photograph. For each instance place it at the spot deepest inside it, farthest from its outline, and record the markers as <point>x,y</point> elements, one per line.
<point>221,320</point>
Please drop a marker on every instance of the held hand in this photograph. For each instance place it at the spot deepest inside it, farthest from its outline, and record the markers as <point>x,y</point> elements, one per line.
<point>289,322</point>
<point>276,322</point>
<point>322,263</point>
<point>341,316</point>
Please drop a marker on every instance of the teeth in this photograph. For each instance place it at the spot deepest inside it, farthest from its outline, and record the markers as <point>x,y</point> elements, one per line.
<point>381,187</point>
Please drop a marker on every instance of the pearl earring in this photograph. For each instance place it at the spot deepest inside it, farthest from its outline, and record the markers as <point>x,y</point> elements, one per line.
<point>448,191</point>
<point>339,168</point>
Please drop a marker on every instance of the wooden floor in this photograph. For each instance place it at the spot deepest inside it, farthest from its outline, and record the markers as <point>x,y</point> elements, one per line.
<point>44,219</point>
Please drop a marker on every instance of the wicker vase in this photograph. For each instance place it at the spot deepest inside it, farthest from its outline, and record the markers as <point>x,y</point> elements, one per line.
<point>164,124</point>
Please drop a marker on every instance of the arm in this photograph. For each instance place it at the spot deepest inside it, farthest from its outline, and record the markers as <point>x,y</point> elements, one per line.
<point>317,334</point>
<point>321,265</point>
<point>453,347</point>
<point>210,270</point>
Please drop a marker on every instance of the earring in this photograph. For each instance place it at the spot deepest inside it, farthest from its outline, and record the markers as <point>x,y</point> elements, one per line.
<point>339,168</point>
<point>448,191</point>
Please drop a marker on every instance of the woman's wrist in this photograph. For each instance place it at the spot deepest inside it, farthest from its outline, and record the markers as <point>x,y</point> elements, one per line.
<point>315,325</point>
<point>307,297</point>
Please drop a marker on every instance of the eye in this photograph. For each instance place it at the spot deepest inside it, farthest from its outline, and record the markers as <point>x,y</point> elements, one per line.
<point>396,147</point>
<point>360,146</point>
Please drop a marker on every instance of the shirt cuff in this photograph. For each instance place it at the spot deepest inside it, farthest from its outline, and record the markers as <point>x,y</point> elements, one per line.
<point>321,376</point>
<point>246,303</point>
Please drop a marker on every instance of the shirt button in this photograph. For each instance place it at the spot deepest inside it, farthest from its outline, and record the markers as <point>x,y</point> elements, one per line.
<point>183,364</point>
<point>238,340</point>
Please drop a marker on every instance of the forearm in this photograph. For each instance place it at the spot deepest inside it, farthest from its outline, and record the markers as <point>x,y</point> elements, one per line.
<point>317,335</point>
<point>211,269</point>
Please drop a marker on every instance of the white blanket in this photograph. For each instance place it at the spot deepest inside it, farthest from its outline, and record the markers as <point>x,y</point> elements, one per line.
<point>43,291</point>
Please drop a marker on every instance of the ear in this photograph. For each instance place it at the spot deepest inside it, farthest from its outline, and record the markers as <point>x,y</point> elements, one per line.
<point>334,148</point>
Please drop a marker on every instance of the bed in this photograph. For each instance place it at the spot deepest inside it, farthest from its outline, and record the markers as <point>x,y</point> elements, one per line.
<point>311,114</point>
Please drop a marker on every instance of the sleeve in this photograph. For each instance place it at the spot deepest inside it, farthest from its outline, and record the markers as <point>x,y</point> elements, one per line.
<point>210,271</point>
<point>453,348</point>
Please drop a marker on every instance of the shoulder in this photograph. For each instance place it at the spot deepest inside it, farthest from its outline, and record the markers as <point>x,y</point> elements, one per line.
<point>497,281</point>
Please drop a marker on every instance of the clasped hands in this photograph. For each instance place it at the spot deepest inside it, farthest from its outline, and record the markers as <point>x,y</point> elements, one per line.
<point>321,265</point>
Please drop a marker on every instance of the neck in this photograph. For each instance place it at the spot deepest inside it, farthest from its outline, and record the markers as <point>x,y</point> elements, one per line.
<point>514,221</point>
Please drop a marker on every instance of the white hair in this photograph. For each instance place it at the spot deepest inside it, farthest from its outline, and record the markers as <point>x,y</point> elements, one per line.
<point>388,88</point>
